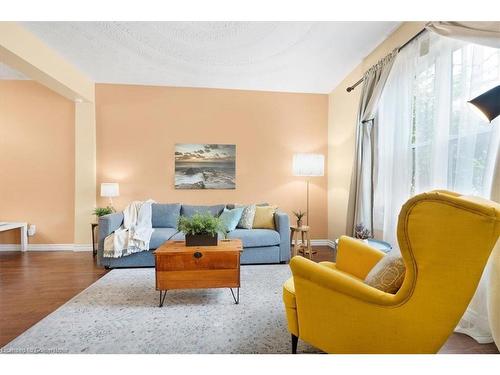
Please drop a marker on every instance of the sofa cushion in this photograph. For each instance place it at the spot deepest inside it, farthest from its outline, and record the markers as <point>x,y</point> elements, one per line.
<point>165,215</point>
<point>189,210</point>
<point>160,235</point>
<point>256,237</point>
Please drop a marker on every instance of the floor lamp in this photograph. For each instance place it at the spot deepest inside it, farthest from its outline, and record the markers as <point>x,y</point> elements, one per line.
<point>308,165</point>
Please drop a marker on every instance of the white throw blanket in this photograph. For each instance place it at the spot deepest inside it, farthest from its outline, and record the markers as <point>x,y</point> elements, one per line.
<point>135,233</point>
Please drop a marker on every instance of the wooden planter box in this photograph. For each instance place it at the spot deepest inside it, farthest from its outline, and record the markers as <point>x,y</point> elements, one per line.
<point>201,240</point>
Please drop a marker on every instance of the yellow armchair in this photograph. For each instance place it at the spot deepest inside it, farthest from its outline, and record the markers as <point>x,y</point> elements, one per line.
<point>445,240</point>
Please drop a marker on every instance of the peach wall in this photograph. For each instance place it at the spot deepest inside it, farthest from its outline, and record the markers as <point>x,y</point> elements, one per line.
<point>36,161</point>
<point>138,126</point>
<point>26,53</point>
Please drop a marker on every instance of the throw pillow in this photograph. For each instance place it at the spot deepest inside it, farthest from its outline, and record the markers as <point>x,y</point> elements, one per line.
<point>247,216</point>
<point>165,215</point>
<point>264,217</point>
<point>388,274</point>
<point>230,218</point>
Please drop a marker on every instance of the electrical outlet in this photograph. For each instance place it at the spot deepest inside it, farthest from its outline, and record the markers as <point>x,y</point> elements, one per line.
<point>31,230</point>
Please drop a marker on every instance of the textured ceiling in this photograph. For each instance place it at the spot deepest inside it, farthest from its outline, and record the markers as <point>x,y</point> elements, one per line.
<point>274,56</point>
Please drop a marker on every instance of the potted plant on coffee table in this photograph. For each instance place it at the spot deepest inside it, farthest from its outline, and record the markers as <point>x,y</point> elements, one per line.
<point>201,229</point>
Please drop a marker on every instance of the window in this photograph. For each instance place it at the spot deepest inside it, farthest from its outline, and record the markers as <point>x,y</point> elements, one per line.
<point>427,135</point>
<point>451,147</point>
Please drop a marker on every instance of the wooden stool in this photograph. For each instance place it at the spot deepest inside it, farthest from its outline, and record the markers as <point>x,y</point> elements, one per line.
<point>304,246</point>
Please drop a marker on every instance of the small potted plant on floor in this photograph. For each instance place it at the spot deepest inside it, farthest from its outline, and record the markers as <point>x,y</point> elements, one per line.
<point>201,229</point>
<point>299,215</point>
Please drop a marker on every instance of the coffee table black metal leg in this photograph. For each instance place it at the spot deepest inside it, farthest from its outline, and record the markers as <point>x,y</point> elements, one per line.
<point>237,297</point>
<point>162,297</point>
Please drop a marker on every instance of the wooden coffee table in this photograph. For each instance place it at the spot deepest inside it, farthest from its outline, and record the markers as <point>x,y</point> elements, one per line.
<point>179,266</point>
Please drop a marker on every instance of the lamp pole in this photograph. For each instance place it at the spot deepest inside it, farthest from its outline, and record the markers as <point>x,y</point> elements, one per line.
<point>307,205</point>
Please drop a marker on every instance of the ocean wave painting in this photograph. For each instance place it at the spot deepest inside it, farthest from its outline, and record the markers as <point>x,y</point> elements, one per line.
<point>205,166</point>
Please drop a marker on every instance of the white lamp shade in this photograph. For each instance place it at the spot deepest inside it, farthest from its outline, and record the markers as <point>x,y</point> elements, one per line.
<point>308,165</point>
<point>110,189</point>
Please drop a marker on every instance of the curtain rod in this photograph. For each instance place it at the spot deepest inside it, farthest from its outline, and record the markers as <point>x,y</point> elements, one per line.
<point>350,88</point>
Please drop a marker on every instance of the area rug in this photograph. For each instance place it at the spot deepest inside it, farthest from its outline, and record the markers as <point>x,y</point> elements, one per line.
<point>119,313</point>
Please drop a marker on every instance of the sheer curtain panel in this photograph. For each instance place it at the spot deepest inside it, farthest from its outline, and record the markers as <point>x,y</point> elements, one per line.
<point>430,138</point>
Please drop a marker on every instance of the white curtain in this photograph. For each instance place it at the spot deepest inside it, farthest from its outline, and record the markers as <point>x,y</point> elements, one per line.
<point>393,172</point>
<point>430,138</point>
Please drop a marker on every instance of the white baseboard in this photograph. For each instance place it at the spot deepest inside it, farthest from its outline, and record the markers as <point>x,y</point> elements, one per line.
<point>48,247</point>
<point>328,243</point>
<point>82,247</point>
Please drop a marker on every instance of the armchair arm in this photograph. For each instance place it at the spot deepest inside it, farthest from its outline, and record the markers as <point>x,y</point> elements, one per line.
<point>282,223</point>
<point>355,257</point>
<point>338,313</point>
<point>334,281</point>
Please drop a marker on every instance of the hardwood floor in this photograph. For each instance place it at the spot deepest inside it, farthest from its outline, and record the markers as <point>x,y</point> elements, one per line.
<point>34,284</point>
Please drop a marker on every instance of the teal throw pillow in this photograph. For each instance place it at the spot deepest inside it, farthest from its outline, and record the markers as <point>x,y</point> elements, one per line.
<point>231,218</point>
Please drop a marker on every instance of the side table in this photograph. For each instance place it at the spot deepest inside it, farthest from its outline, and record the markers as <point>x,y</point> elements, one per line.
<point>304,246</point>
<point>94,249</point>
<point>377,244</point>
<point>23,227</point>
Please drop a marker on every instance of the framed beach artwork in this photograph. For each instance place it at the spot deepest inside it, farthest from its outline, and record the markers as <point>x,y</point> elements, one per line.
<point>205,166</point>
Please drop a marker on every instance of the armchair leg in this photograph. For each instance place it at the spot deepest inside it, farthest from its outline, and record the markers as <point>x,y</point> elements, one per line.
<point>295,340</point>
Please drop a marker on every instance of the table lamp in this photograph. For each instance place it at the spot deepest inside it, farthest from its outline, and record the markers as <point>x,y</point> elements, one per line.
<point>110,190</point>
<point>308,165</point>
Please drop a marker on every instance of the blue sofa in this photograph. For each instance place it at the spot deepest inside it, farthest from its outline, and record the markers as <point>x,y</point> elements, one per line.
<point>259,245</point>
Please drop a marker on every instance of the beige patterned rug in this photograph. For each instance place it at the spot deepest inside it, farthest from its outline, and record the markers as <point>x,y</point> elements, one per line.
<point>119,314</point>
